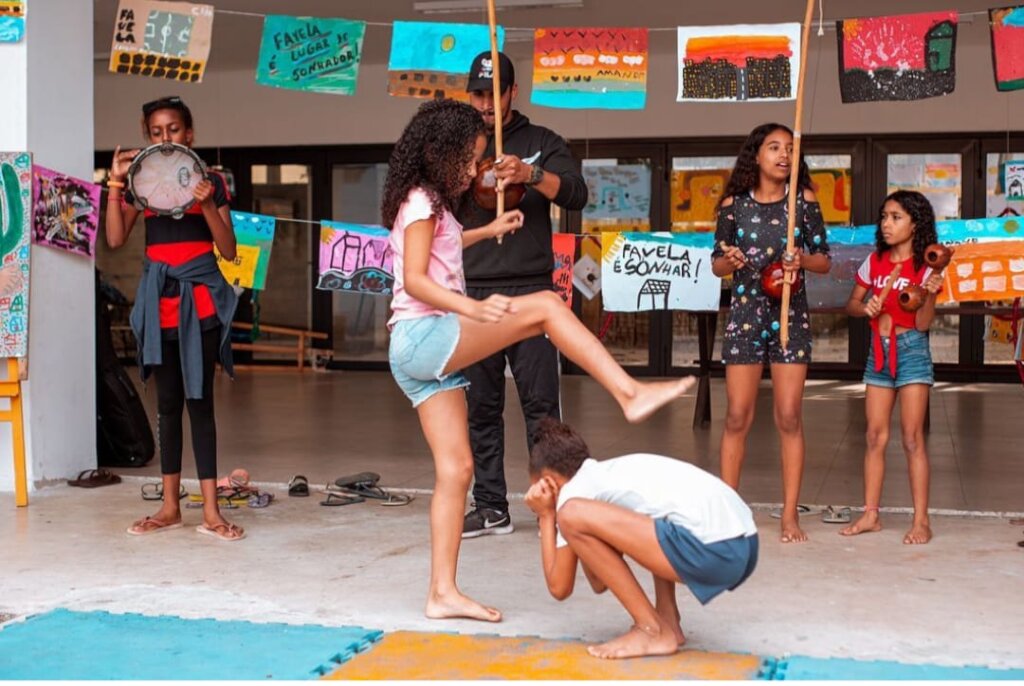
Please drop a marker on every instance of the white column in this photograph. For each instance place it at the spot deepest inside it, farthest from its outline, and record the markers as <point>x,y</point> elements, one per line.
<point>47,82</point>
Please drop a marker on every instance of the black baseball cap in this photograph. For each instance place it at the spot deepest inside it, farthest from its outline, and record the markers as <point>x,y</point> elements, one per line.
<point>481,74</point>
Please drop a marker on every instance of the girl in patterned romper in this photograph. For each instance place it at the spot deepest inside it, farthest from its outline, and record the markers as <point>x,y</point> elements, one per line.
<point>751,235</point>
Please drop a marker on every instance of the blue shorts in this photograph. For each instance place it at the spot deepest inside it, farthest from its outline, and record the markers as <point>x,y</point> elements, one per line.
<point>707,568</point>
<point>913,362</point>
<point>419,351</point>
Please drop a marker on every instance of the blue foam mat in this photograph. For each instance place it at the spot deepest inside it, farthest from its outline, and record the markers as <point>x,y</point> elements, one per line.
<point>98,645</point>
<point>819,669</point>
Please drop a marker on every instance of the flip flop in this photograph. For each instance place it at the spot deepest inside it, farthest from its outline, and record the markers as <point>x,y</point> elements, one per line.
<point>156,492</point>
<point>157,528</point>
<point>337,498</point>
<point>360,480</point>
<point>298,487</point>
<point>94,478</point>
<point>260,500</point>
<point>365,485</point>
<point>833,515</point>
<point>800,510</point>
<point>221,531</point>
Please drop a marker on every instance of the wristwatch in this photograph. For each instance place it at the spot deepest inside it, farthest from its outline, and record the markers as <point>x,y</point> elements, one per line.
<point>536,175</point>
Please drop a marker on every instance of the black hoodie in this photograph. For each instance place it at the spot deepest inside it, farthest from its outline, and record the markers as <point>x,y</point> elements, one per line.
<point>523,258</point>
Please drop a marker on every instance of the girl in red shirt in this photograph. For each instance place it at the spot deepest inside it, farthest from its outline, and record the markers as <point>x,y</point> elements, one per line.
<point>899,365</point>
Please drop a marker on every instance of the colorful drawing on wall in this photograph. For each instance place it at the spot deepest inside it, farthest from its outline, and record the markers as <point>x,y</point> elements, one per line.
<point>899,57</point>
<point>355,258</point>
<point>165,40</point>
<point>1013,179</point>
<point>563,245</point>
<point>1008,46</point>
<point>658,271</point>
<point>15,228</point>
<point>65,212</point>
<point>310,54</point>
<point>738,63</point>
<point>12,21</point>
<point>833,188</point>
<point>619,197</point>
<point>254,235</point>
<point>432,60</point>
<point>695,196</point>
<point>599,68</point>
<point>586,269</point>
<point>985,271</point>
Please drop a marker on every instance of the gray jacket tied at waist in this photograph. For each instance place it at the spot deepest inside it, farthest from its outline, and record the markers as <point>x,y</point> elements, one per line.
<point>145,317</point>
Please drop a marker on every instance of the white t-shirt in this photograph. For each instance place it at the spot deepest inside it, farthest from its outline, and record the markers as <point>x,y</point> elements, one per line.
<point>658,487</point>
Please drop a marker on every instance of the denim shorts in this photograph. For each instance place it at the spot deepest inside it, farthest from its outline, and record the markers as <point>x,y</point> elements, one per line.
<point>913,362</point>
<point>419,351</point>
<point>707,569</point>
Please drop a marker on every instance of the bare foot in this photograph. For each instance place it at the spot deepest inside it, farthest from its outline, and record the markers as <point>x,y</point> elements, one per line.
<point>791,532</point>
<point>651,396</point>
<point>918,534</point>
<point>673,621</point>
<point>637,642</point>
<point>867,524</point>
<point>457,606</point>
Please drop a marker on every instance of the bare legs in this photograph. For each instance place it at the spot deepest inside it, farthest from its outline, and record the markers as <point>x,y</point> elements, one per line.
<point>446,428</point>
<point>545,313</point>
<point>741,383</point>
<point>879,403</point>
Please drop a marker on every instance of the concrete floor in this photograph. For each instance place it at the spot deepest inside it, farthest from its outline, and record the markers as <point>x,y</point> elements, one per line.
<point>957,601</point>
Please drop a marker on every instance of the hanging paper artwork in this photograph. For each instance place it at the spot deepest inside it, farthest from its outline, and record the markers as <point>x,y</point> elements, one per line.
<point>355,258</point>
<point>432,60</point>
<point>254,238</point>
<point>563,246</point>
<point>738,63</point>
<point>658,271</point>
<point>310,54</point>
<point>586,271</point>
<point>900,57</point>
<point>695,196</point>
<point>65,212</point>
<point>12,21</point>
<point>165,40</point>
<point>833,189</point>
<point>599,68</point>
<point>1013,179</point>
<point>619,197</point>
<point>1008,46</point>
<point>15,204</point>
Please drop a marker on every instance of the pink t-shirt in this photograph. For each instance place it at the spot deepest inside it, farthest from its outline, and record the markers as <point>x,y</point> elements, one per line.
<point>445,266</point>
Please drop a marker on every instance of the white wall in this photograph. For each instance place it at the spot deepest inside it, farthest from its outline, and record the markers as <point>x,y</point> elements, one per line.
<point>47,82</point>
<point>231,110</point>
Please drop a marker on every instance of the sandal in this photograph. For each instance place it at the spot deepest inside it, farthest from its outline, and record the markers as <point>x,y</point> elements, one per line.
<point>365,484</point>
<point>222,531</point>
<point>298,487</point>
<point>259,500</point>
<point>337,497</point>
<point>156,492</point>
<point>94,478</point>
<point>833,515</point>
<point>800,510</point>
<point>154,526</point>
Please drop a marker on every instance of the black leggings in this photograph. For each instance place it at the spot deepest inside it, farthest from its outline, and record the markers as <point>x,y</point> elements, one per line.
<point>170,403</point>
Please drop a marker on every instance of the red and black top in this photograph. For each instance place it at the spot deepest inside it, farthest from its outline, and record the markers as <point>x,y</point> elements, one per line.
<point>175,242</point>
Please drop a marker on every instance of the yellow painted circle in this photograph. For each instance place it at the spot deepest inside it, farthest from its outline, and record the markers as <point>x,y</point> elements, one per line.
<point>448,43</point>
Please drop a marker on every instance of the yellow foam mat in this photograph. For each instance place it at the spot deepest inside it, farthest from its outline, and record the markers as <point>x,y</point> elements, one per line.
<point>413,655</point>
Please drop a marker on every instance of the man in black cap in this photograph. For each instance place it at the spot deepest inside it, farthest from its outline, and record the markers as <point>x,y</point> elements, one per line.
<point>523,263</point>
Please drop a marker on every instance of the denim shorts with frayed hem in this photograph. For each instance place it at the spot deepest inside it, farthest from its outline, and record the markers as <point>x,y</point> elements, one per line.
<point>419,351</point>
<point>913,362</point>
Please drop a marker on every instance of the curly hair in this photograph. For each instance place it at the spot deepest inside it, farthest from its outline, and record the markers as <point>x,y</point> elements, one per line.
<point>557,447</point>
<point>432,153</point>
<point>746,174</point>
<point>922,216</point>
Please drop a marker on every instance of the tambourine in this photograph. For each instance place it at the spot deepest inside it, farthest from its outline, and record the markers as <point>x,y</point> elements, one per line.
<point>163,177</point>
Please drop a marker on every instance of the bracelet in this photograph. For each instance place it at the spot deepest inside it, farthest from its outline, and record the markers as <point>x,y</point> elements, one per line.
<point>115,184</point>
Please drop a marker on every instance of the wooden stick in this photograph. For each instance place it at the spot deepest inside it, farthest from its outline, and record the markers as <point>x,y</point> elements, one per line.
<point>498,115</point>
<point>794,171</point>
<point>890,281</point>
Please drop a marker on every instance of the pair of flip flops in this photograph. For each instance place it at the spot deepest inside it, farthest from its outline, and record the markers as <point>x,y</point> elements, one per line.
<point>356,488</point>
<point>837,515</point>
<point>800,510</point>
<point>94,478</point>
<point>156,492</point>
